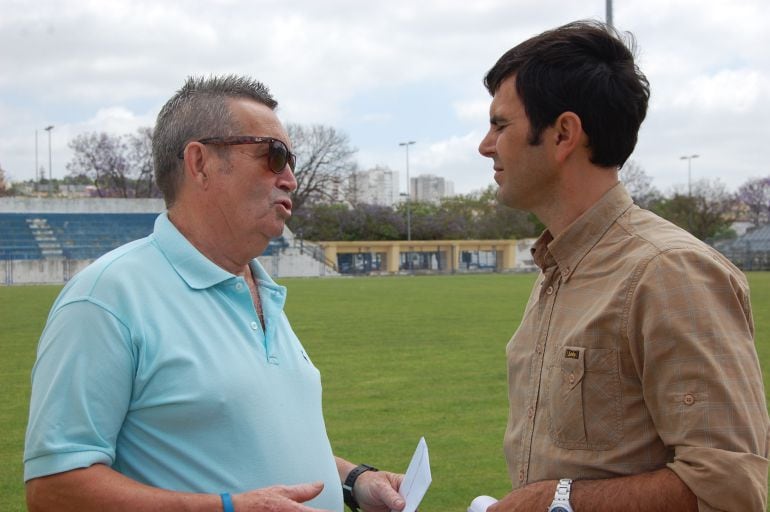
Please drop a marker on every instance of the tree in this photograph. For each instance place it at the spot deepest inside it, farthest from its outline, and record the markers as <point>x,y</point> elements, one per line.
<point>371,222</point>
<point>755,196</point>
<point>117,165</point>
<point>339,222</point>
<point>140,159</point>
<point>707,213</point>
<point>639,184</point>
<point>324,161</point>
<point>3,184</point>
<point>426,219</point>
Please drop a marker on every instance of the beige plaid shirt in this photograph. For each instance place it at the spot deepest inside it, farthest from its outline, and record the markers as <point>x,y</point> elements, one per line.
<point>636,352</point>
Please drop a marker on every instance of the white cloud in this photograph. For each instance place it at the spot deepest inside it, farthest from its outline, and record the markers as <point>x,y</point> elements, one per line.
<point>475,110</point>
<point>728,90</point>
<point>109,65</point>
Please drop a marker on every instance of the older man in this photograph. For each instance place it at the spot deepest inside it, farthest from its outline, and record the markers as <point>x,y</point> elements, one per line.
<point>168,376</point>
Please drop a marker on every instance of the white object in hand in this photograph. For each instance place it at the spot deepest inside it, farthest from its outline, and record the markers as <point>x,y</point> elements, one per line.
<point>417,478</point>
<point>481,503</point>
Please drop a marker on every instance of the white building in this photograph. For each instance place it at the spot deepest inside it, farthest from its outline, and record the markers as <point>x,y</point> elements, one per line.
<point>430,189</point>
<point>375,186</point>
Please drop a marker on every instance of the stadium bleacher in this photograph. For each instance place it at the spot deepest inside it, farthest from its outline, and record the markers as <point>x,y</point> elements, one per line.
<point>17,241</point>
<point>77,236</point>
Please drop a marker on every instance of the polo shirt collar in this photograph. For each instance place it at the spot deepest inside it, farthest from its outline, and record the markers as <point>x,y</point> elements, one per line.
<point>276,293</point>
<point>198,271</point>
<point>571,246</point>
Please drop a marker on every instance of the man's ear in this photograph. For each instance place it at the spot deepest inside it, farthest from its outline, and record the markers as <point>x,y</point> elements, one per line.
<point>568,134</point>
<point>195,164</point>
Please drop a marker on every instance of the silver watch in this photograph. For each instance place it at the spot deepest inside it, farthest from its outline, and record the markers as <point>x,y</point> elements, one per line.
<point>560,501</point>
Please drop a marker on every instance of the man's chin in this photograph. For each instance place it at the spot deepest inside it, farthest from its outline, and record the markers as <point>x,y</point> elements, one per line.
<point>499,195</point>
<point>505,200</point>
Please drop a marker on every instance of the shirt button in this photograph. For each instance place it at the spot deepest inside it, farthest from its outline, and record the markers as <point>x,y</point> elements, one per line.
<point>254,325</point>
<point>239,286</point>
<point>689,399</point>
<point>521,475</point>
<point>571,378</point>
<point>549,290</point>
<point>530,412</point>
<point>539,349</point>
<point>273,359</point>
<point>565,272</point>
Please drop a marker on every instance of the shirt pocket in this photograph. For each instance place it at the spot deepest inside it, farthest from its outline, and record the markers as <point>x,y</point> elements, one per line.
<point>584,401</point>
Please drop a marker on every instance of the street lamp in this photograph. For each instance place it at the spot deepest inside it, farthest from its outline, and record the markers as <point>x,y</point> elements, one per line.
<point>408,192</point>
<point>50,172</point>
<point>689,172</point>
<point>37,166</point>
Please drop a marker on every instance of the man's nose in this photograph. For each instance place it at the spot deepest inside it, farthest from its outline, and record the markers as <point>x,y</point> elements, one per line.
<point>487,146</point>
<point>287,180</point>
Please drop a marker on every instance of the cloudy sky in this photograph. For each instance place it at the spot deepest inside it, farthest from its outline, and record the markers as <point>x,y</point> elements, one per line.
<point>382,72</point>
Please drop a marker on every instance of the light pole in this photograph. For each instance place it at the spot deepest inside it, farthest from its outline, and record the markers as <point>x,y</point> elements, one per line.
<point>609,12</point>
<point>689,172</point>
<point>408,192</point>
<point>50,172</point>
<point>37,166</point>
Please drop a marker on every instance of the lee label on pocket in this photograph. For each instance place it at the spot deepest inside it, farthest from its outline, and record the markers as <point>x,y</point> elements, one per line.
<point>571,354</point>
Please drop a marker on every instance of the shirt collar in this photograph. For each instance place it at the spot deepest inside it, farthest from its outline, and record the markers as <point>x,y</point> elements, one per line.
<point>275,292</point>
<point>571,246</point>
<point>198,271</point>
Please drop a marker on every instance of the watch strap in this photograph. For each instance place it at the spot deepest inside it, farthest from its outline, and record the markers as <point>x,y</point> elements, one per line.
<point>561,496</point>
<point>350,481</point>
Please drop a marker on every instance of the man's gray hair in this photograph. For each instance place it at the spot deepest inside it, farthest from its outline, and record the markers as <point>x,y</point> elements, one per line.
<point>199,109</point>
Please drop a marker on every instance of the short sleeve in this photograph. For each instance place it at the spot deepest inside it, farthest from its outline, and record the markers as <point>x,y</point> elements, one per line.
<point>81,390</point>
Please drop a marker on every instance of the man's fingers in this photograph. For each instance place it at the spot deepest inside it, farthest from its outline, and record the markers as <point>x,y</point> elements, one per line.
<point>279,498</point>
<point>300,492</point>
<point>391,496</point>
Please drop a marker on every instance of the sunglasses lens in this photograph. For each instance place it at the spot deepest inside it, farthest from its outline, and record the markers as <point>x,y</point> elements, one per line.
<point>292,161</point>
<point>278,157</point>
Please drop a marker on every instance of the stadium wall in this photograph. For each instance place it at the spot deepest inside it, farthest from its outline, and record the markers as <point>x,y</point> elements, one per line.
<point>43,271</point>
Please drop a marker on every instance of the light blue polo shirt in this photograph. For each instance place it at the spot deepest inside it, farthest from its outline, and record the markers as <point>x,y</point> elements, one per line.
<point>154,362</point>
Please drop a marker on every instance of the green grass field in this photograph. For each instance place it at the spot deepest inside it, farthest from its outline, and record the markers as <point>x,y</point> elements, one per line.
<point>401,357</point>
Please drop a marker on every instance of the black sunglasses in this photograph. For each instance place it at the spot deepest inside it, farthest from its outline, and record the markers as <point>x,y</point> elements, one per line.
<point>278,155</point>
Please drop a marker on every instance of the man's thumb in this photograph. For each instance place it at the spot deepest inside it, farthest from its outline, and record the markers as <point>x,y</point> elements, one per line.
<point>304,492</point>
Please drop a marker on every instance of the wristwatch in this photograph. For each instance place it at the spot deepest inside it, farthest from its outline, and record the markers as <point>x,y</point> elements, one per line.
<point>350,481</point>
<point>560,501</point>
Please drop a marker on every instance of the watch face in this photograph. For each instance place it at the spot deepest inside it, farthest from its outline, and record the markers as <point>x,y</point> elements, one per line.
<point>559,509</point>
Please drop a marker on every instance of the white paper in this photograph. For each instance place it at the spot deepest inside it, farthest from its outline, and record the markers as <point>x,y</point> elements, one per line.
<point>417,478</point>
<point>481,503</point>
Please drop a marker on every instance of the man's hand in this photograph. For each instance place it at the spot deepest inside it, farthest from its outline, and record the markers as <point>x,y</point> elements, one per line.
<point>279,498</point>
<point>377,491</point>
